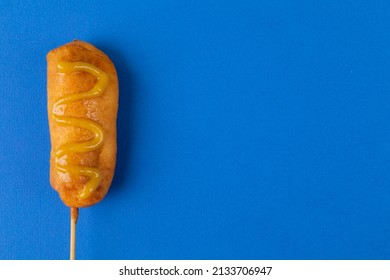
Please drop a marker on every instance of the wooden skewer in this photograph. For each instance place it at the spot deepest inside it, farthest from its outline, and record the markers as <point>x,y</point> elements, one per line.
<point>74,215</point>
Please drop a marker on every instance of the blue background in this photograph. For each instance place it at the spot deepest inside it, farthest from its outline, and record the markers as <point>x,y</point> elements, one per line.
<point>246,130</point>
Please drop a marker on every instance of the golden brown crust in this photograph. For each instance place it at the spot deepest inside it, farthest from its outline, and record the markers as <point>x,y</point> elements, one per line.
<point>102,110</point>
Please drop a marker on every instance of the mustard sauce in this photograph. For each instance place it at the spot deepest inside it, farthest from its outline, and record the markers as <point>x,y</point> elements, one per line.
<point>94,174</point>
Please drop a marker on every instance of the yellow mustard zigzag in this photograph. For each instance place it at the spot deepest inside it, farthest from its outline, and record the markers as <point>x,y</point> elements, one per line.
<point>94,174</point>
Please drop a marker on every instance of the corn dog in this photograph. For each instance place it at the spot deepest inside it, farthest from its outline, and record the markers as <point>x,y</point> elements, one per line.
<point>82,103</point>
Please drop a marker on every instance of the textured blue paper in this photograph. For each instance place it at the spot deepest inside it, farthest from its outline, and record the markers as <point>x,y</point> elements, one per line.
<point>246,130</point>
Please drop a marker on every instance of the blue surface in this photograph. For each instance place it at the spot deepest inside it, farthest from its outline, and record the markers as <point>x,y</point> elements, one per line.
<point>247,130</point>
